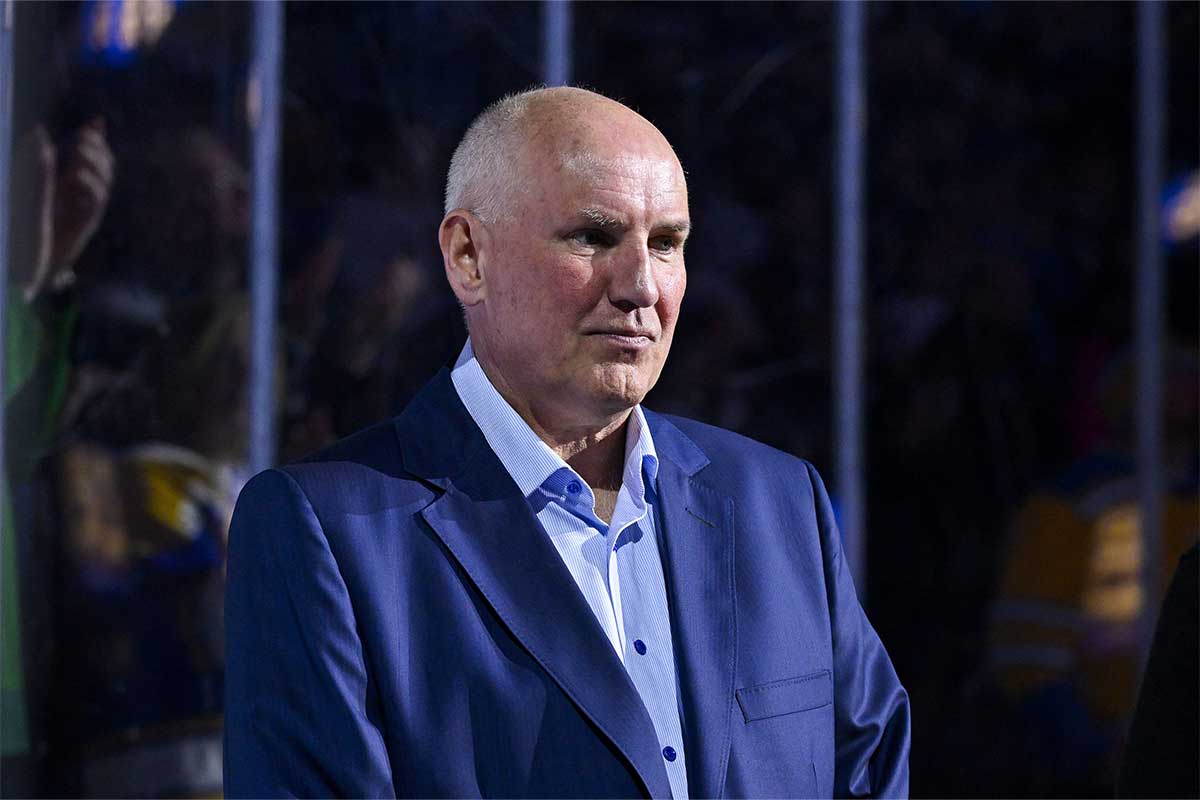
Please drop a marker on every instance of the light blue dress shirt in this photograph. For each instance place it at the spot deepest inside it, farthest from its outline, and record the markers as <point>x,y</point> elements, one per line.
<point>616,566</point>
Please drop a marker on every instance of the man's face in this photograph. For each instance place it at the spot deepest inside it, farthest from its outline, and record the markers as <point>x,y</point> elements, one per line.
<point>586,276</point>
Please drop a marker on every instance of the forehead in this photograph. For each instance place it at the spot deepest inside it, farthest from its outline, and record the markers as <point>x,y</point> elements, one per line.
<point>629,162</point>
<point>578,149</point>
<point>592,167</point>
<point>653,181</point>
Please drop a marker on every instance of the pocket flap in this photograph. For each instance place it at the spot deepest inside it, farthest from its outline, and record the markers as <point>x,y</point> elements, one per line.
<point>786,696</point>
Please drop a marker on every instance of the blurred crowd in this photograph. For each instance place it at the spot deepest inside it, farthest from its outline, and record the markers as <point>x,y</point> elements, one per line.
<point>1000,274</point>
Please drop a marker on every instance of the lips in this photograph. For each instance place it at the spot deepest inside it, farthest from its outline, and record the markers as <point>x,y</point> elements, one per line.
<point>624,340</point>
<point>625,333</point>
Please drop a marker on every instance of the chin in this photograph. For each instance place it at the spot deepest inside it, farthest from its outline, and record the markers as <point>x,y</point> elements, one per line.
<point>620,388</point>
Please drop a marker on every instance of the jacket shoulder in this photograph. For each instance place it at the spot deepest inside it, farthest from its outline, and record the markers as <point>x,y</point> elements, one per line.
<point>739,466</point>
<point>358,474</point>
<point>371,444</point>
<point>727,449</point>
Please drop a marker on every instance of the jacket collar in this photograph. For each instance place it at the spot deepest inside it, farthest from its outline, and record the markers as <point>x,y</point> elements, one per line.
<point>485,522</point>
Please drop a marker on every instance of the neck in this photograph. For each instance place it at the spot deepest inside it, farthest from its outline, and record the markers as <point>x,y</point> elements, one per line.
<point>593,445</point>
<point>595,450</point>
<point>601,459</point>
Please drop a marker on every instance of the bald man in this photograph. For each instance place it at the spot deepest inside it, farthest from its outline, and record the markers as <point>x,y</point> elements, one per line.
<point>527,584</point>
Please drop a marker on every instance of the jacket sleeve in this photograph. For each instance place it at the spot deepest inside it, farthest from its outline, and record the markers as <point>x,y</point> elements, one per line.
<point>300,720</point>
<point>871,714</point>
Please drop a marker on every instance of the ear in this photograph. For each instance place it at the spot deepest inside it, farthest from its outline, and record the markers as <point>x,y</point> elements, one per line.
<point>464,241</point>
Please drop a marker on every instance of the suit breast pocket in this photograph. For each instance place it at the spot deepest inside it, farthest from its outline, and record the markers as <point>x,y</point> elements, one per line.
<point>787,696</point>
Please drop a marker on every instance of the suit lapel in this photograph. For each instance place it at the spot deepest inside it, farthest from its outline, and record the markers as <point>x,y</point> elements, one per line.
<point>698,547</point>
<point>493,534</point>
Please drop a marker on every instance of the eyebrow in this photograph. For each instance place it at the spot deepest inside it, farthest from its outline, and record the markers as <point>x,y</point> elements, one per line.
<point>607,221</point>
<point>602,219</point>
<point>681,227</point>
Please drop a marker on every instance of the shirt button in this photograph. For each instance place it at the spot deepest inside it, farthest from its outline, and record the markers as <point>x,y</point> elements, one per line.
<point>669,753</point>
<point>574,487</point>
<point>640,646</point>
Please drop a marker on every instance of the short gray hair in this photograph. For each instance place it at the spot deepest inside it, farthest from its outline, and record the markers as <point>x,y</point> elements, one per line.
<point>482,172</point>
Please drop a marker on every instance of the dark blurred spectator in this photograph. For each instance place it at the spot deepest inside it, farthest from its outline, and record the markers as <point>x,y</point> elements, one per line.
<point>64,193</point>
<point>1065,628</point>
<point>357,308</point>
<point>148,479</point>
<point>1160,758</point>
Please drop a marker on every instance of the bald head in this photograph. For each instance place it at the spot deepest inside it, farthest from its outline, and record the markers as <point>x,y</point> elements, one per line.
<point>564,124</point>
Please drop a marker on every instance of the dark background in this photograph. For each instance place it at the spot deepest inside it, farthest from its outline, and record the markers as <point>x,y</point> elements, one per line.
<point>1000,263</point>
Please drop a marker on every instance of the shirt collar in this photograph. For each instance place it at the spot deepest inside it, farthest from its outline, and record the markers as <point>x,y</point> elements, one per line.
<point>527,459</point>
<point>641,459</point>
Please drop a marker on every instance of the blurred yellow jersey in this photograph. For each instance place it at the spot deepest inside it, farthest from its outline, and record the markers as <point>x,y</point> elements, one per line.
<point>1070,599</point>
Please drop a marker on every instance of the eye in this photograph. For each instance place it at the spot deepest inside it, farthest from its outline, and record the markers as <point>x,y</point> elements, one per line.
<point>590,237</point>
<point>665,244</point>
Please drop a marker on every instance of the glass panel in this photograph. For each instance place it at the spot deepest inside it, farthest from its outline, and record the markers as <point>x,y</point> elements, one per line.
<point>1003,554</point>
<point>126,359</point>
<point>377,97</point>
<point>1005,549</point>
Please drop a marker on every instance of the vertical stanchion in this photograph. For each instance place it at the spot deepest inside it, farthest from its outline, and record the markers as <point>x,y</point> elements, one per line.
<point>264,111</point>
<point>13,718</point>
<point>851,120</point>
<point>1148,315</point>
<point>7,10</point>
<point>556,42</point>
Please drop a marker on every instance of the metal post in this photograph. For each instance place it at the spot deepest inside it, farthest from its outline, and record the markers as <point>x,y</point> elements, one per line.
<point>851,120</point>
<point>264,112</point>
<point>10,626</point>
<point>1149,314</point>
<point>556,42</point>
<point>7,11</point>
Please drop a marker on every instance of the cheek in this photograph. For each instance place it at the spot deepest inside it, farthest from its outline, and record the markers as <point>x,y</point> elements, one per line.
<point>568,292</point>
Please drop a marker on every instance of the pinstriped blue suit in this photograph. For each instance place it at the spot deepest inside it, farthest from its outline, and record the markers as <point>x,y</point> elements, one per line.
<point>397,624</point>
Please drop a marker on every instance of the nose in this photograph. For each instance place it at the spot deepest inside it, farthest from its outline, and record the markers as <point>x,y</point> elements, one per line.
<point>632,284</point>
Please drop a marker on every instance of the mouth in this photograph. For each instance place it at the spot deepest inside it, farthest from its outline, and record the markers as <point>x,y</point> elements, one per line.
<point>624,338</point>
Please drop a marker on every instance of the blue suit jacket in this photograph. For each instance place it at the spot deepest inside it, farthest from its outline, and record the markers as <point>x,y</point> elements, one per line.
<point>398,624</point>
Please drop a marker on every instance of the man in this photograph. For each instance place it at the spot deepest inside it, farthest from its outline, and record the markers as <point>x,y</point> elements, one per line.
<point>528,585</point>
